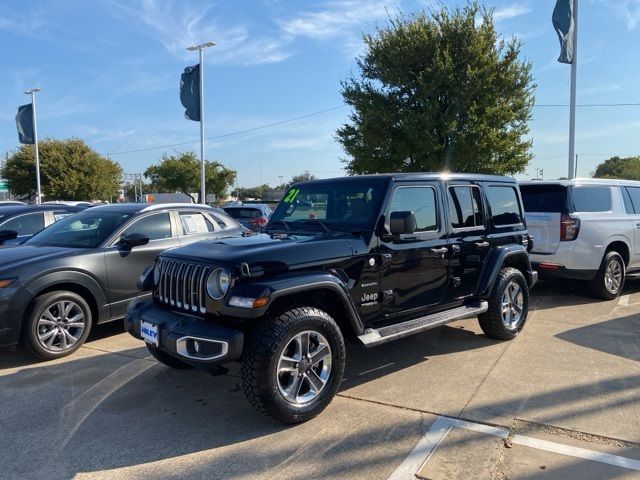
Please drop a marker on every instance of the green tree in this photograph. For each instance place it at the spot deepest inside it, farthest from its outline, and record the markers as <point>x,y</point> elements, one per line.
<point>616,167</point>
<point>245,193</point>
<point>181,173</point>
<point>439,91</point>
<point>69,170</point>
<point>303,177</point>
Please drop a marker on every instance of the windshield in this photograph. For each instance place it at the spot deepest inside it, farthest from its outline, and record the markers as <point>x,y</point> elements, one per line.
<point>329,205</point>
<point>87,229</point>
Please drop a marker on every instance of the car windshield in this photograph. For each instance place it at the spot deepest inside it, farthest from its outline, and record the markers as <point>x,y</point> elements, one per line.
<point>86,229</point>
<point>327,205</point>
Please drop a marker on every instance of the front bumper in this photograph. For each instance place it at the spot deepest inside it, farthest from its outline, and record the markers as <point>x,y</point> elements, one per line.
<point>178,331</point>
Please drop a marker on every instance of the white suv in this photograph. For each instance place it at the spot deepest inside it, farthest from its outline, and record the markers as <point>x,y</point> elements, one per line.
<point>585,229</point>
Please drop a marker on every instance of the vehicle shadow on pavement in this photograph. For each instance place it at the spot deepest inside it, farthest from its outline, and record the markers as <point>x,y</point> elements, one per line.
<point>106,411</point>
<point>561,293</point>
<point>366,364</point>
<point>571,293</point>
<point>619,336</point>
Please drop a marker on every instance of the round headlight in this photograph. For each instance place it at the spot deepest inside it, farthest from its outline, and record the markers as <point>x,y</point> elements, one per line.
<point>218,283</point>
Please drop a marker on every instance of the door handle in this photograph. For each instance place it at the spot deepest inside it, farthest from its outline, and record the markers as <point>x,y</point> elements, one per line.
<point>482,244</point>
<point>439,251</point>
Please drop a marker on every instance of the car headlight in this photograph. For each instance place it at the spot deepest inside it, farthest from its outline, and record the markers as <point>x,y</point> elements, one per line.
<point>218,283</point>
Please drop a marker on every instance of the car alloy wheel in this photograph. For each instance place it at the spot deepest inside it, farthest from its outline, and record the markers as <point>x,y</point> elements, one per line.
<point>304,367</point>
<point>512,305</point>
<point>613,276</point>
<point>61,325</point>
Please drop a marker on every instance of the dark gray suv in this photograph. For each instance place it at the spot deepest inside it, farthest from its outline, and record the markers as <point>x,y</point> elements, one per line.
<point>83,269</point>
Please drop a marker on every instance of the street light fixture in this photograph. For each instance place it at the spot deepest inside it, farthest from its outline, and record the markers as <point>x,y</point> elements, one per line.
<point>200,48</point>
<point>33,92</point>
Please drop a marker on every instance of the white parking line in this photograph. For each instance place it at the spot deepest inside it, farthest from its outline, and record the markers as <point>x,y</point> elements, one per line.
<point>421,452</point>
<point>441,427</point>
<point>607,458</point>
<point>624,301</point>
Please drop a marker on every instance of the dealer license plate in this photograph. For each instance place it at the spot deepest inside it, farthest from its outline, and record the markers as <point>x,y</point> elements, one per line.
<point>149,333</point>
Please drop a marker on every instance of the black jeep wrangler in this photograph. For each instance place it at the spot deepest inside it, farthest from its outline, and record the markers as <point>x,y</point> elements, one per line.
<point>367,259</point>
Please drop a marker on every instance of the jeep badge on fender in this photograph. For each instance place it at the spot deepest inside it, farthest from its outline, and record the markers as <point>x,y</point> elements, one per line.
<point>369,259</point>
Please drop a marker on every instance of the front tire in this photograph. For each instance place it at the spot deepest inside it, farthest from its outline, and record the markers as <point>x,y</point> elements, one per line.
<point>508,306</point>
<point>292,365</point>
<point>610,278</point>
<point>58,323</point>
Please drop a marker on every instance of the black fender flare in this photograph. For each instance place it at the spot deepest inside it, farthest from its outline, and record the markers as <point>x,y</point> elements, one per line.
<point>515,254</point>
<point>289,284</point>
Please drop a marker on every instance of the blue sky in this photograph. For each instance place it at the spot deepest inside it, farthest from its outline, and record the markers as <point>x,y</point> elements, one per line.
<point>110,71</point>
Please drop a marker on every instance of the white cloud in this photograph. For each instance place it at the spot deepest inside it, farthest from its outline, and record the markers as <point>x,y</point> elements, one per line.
<point>629,10</point>
<point>29,24</point>
<point>336,18</point>
<point>179,24</point>
<point>511,11</point>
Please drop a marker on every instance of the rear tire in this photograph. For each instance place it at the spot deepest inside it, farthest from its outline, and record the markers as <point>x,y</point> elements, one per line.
<point>166,359</point>
<point>292,365</point>
<point>508,306</point>
<point>610,278</point>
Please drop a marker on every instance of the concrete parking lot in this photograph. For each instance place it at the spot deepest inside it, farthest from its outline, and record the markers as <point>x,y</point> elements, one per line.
<point>561,401</point>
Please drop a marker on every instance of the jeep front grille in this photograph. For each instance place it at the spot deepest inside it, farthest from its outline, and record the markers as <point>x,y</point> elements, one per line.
<point>182,285</point>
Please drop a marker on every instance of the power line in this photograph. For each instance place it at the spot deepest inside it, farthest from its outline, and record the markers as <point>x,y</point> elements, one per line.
<point>588,105</point>
<point>320,112</point>
<point>238,132</point>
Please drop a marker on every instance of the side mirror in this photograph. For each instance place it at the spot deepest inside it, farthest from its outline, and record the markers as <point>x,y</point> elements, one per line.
<point>403,222</point>
<point>7,235</point>
<point>134,240</point>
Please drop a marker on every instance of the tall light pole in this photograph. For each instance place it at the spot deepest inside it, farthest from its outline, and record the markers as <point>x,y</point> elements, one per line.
<point>200,48</point>
<point>572,95</point>
<point>33,92</point>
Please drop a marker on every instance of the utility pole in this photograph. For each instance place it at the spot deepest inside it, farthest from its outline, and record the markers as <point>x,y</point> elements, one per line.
<point>576,174</point>
<point>33,92</point>
<point>200,48</point>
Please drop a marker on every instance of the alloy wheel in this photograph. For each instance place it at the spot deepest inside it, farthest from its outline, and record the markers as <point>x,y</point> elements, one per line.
<point>304,367</point>
<point>61,325</point>
<point>613,276</point>
<point>512,305</point>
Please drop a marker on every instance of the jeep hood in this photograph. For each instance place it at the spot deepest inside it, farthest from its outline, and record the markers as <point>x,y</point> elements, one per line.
<point>270,252</point>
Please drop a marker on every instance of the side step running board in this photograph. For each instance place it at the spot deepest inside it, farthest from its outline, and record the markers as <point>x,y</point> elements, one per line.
<point>399,330</point>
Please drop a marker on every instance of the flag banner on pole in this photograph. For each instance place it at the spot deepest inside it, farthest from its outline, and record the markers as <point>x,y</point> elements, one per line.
<point>564,23</point>
<point>190,92</point>
<point>24,122</point>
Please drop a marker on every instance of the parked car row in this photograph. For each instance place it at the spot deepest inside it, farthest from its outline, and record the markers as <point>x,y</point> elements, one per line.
<point>365,259</point>
<point>82,270</point>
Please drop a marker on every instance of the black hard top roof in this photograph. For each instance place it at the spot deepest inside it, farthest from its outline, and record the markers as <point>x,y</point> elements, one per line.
<point>416,176</point>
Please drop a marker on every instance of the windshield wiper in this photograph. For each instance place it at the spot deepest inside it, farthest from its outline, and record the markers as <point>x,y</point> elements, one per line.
<point>284,223</point>
<point>315,221</point>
